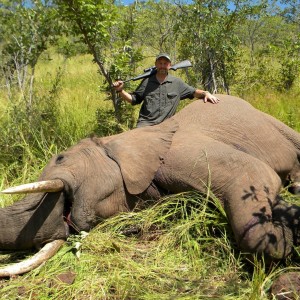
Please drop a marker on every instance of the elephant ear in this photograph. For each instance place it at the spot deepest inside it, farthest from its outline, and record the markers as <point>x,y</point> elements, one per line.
<point>139,153</point>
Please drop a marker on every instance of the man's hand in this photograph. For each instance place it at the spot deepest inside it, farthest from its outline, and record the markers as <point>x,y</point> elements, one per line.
<point>211,98</point>
<point>118,85</point>
<point>206,96</point>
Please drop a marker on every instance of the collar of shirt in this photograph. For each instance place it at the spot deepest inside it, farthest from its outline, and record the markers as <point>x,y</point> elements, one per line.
<point>169,78</point>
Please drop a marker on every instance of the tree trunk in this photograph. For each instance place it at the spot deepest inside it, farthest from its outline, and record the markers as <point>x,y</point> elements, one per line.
<point>213,82</point>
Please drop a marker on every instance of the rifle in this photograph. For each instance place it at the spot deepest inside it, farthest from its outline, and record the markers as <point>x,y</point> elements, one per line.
<point>152,70</point>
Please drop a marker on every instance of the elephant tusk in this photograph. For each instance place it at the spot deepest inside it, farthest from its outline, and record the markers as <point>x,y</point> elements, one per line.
<point>55,185</point>
<point>49,250</point>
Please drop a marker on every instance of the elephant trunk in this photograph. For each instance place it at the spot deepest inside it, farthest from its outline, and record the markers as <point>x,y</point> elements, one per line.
<point>35,221</point>
<point>32,222</point>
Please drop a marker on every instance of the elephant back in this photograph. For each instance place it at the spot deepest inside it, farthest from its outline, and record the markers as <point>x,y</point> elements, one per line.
<point>237,123</point>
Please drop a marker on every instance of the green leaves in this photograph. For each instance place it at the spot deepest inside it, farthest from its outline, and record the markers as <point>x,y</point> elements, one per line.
<point>99,26</point>
<point>28,29</point>
<point>92,19</point>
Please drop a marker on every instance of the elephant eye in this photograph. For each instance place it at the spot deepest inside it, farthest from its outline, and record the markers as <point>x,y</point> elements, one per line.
<point>59,159</point>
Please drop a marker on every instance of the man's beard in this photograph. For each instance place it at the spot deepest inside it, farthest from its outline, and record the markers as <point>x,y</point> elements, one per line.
<point>162,71</point>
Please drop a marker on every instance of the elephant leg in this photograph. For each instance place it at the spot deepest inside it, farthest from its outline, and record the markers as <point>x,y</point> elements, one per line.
<point>294,179</point>
<point>261,222</point>
<point>288,215</point>
<point>247,187</point>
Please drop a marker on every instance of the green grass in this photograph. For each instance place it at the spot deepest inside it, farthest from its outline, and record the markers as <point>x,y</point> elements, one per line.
<point>181,248</point>
<point>79,95</point>
<point>283,106</point>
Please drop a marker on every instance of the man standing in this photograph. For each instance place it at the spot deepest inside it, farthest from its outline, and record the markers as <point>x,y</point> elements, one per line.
<point>160,94</point>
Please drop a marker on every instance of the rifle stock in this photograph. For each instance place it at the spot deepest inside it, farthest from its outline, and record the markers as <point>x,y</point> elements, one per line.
<point>181,65</point>
<point>152,70</point>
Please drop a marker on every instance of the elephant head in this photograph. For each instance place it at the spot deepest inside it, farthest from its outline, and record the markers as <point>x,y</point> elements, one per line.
<point>91,181</point>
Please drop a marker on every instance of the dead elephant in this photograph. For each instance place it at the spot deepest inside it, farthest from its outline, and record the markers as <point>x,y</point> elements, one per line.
<point>244,155</point>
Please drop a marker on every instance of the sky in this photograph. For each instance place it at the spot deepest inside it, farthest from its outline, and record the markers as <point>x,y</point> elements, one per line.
<point>126,2</point>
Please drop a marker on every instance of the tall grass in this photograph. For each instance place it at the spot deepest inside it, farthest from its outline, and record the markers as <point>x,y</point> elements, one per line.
<point>66,99</point>
<point>181,248</point>
<point>283,106</point>
<point>79,96</point>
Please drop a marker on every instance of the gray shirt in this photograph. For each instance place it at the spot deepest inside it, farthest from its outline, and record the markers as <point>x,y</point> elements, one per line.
<point>160,100</point>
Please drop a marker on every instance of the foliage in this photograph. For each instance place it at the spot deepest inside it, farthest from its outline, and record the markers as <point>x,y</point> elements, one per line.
<point>266,38</point>
<point>95,22</point>
<point>182,247</point>
<point>207,35</point>
<point>26,133</point>
<point>28,119</point>
<point>70,46</point>
<point>289,55</point>
<point>291,11</point>
<point>158,27</point>
<point>25,34</point>
<point>284,106</point>
<point>63,112</point>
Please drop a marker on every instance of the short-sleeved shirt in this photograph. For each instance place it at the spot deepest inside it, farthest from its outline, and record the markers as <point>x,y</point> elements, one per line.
<point>160,100</point>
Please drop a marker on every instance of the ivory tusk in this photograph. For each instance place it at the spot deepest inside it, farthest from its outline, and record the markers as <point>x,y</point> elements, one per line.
<point>55,185</point>
<point>49,250</point>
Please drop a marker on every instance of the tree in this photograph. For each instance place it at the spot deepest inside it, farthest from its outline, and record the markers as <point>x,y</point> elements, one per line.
<point>158,27</point>
<point>272,42</point>
<point>207,34</point>
<point>291,11</point>
<point>101,29</point>
<point>25,34</point>
<point>27,30</point>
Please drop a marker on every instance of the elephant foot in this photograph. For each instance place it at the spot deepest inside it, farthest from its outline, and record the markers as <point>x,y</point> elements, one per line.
<point>295,188</point>
<point>286,286</point>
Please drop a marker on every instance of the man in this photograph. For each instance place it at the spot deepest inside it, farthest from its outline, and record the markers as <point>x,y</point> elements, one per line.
<point>160,94</point>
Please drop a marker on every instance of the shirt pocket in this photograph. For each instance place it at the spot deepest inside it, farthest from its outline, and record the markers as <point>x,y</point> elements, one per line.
<point>171,97</point>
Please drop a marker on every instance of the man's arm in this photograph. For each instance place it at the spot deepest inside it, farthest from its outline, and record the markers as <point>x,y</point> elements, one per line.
<point>206,96</point>
<point>125,96</point>
<point>118,85</point>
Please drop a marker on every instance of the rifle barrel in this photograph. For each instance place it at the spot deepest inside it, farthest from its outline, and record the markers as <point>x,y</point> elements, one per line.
<point>152,70</point>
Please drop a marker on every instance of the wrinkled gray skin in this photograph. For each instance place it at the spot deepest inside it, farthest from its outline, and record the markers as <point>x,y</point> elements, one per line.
<point>248,155</point>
